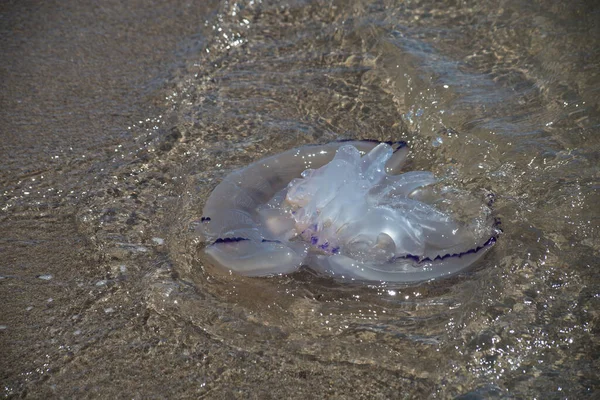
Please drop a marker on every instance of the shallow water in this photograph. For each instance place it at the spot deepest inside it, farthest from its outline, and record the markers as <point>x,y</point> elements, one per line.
<point>105,288</point>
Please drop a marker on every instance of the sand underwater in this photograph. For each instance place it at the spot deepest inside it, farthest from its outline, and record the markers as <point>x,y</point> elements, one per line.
<point>120,118</point>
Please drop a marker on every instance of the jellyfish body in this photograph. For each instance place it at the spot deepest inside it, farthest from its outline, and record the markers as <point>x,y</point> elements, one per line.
<point>341,208</point>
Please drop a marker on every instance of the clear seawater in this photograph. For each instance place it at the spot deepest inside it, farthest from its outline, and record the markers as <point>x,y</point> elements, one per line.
<point>119,119</point>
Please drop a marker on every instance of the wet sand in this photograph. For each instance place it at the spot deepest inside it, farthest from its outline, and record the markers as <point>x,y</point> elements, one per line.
<point>73,76</point>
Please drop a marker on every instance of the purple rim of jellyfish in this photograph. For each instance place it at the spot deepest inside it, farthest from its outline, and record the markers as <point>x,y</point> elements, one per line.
<point>416,259</point>
<point>396,145</point>
<point>229,240</point>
